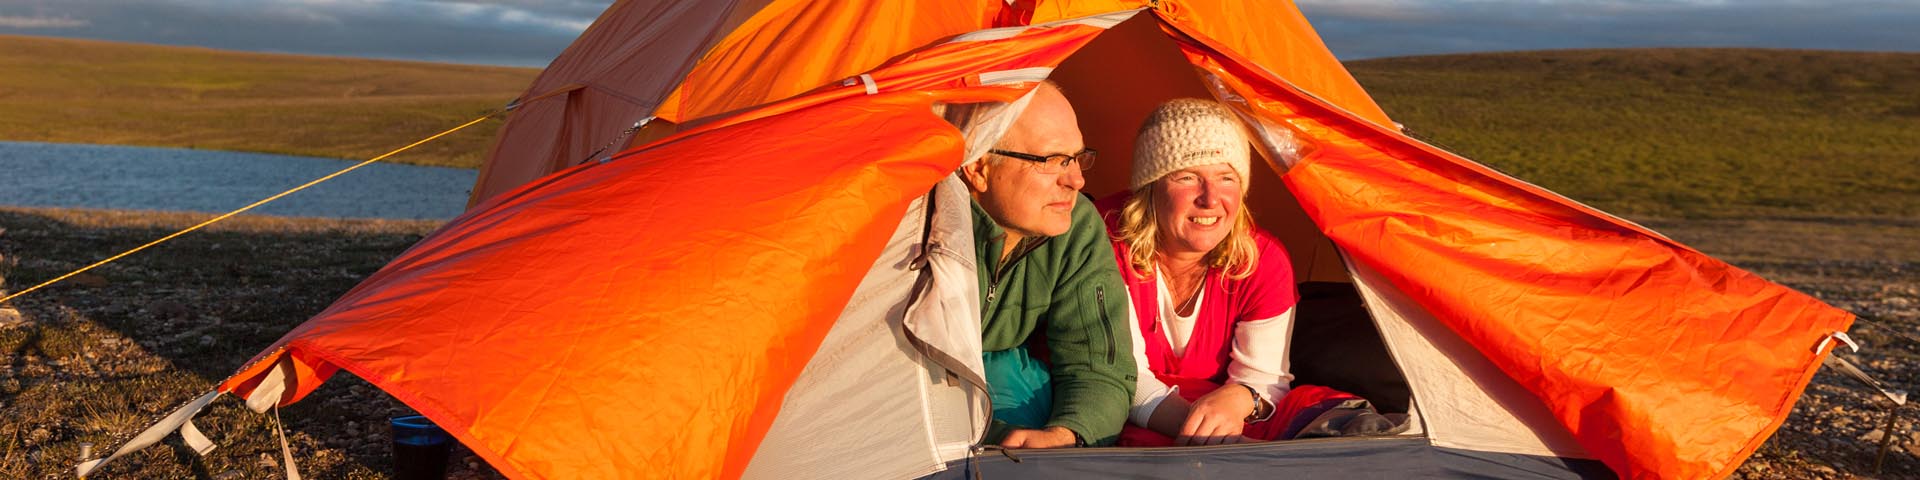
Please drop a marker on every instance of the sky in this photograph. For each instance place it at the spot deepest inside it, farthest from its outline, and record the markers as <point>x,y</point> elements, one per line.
<point>531,32</point>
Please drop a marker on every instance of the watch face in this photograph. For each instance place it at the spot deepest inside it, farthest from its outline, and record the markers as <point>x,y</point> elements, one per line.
<point>1257,404</point>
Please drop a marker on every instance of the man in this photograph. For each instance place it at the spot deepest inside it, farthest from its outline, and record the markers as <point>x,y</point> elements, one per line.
<point>1047,270</point>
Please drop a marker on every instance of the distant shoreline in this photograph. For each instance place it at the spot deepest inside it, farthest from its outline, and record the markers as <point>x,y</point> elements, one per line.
<point>173,179</point>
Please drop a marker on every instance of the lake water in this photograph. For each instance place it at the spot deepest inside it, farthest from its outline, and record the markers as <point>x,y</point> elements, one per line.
<point>144,178</point>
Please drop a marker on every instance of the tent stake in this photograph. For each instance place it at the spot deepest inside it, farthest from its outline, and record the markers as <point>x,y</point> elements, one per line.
<point>1886,441</point>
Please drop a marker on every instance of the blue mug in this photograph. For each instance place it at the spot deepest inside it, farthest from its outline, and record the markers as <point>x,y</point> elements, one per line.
<point>420,449</point>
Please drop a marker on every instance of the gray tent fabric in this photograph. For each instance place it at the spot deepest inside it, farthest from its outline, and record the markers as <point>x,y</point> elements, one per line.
<point>1378,457</point>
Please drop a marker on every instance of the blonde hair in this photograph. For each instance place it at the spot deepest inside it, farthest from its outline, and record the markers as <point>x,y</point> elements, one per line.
<point>1235,256</point>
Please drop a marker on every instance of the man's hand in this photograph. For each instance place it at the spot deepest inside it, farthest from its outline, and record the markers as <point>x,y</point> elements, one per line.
<point>1217,418</point>
<point>1050,437</point>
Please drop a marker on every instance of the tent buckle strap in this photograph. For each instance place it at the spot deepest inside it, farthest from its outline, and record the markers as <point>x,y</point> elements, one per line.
<point>1841,336</point>
<point>1849,369</point>
<point>286,450</point>
<point>1846,367</point>
<point>181,420</point>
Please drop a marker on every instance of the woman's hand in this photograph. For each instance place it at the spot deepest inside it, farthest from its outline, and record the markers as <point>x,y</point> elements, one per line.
<point>1217,418</point>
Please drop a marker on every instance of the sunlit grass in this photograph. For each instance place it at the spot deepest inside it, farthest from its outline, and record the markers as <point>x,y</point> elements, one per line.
<point>77,91</point>
<point>1677,132</point>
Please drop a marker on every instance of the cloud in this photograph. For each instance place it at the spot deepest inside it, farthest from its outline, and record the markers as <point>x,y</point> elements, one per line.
<point>508,32</point>
<point>40,22</point>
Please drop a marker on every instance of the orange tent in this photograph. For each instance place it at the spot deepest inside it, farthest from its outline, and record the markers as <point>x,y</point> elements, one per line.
<point>692,253</point>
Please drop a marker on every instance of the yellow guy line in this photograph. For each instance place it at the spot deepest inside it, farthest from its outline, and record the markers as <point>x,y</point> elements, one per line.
<point>250,207</point>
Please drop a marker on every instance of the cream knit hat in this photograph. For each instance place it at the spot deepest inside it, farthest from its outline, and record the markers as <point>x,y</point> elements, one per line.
<point>1188,132</point>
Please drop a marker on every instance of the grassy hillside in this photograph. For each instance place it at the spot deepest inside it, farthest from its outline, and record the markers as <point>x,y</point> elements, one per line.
<point>1692,132</point>
<point>78,91</point>
<point>1668,132</point>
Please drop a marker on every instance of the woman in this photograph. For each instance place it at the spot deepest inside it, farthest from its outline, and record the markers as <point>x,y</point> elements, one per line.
<point>1213,295</point>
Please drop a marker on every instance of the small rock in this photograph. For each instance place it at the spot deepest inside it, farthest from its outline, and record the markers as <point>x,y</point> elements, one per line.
<point>1823,470</point>
<point>170,310</point>
<point>206,340</point>
<point>89,280</point>
<point>1874,436</point>
<point>266,460</point>
<point>10,317</point>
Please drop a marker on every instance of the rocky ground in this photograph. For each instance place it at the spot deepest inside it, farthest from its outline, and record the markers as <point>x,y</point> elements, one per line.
<point>1870,267</point>
<point>101,356</point>
<point>1840,429</point>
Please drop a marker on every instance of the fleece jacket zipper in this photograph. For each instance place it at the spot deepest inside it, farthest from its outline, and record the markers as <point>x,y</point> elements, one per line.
<point>1100,294</point>
<point>1000,271</point>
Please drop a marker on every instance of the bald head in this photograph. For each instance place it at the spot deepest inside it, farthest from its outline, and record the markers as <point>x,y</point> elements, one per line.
<point>1048,126</point>
<point>1023,197</point>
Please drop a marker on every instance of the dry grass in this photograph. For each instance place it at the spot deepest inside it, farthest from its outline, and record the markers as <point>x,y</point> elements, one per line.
<point>1677,132</point>
<point>80,91</point>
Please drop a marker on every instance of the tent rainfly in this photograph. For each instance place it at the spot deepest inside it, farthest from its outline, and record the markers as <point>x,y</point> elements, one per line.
<point>697,250</point>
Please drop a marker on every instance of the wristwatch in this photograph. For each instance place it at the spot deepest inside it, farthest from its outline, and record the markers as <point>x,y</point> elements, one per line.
<point>1259,406</point>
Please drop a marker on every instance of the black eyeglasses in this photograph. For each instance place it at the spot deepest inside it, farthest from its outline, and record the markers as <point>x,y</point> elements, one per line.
<point>1055,163</point>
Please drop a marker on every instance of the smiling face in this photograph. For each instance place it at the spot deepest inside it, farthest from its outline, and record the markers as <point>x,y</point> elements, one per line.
<point>1197,207</point>
<point>1018,196</point>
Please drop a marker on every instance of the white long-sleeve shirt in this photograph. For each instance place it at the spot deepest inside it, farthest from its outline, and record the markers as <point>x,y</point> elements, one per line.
<point>1258,359</point>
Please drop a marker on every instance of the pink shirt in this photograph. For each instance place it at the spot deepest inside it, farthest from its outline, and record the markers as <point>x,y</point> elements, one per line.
<point>1258,307</point>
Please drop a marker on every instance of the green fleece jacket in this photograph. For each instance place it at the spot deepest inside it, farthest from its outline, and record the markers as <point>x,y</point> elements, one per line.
<point>1067,288</point>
